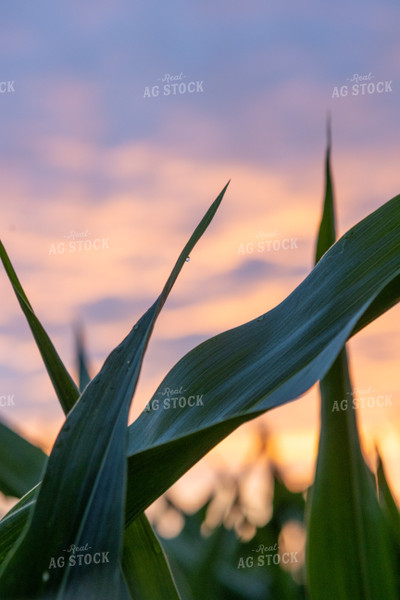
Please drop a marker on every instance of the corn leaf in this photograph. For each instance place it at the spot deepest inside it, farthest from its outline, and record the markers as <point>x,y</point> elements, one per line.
<point>12,525</point>
<point>349,549</point>
<point>145,565</point>
<point>79,507</point>
<point>388,503</point>
<point>327,229</point>
<point>64,386</point>
<point>21,463</point>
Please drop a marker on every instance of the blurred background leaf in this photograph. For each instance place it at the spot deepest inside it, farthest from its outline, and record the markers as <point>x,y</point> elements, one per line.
<point>81,358</point>
<point>215,563</point>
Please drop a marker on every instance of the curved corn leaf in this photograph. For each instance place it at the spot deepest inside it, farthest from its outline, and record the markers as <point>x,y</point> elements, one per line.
<point>349,549</point>
<point>267,362</point>
<point>79,507</point>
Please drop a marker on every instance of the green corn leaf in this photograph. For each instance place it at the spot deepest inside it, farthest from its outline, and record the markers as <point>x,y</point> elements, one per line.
<point>21,463</point>
<point>145,565</point>
<point>16,519</point>
<point>327,229</point>
<point>241,373</point>
<point>349,550</point>
<point>64,386</point>
<point>139,541</point>
<point>81,499</point>
<point>12,525</point>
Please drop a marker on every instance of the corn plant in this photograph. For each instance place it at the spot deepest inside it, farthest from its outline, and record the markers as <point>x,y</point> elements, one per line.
<point>80,532</point>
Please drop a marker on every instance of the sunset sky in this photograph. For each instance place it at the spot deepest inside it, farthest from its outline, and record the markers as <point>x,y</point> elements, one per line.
<point>95,152</point>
